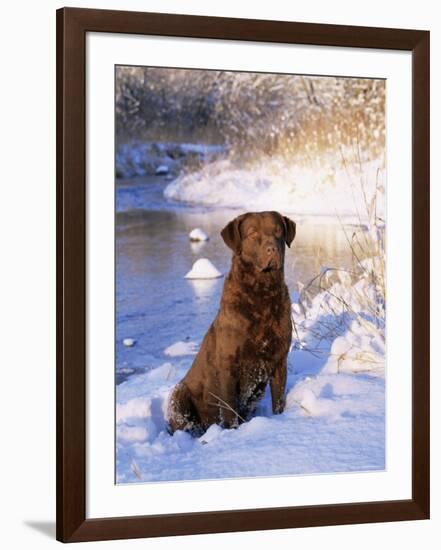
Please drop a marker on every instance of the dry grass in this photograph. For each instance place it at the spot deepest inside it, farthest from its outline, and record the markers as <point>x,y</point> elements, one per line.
<point>225,406</point>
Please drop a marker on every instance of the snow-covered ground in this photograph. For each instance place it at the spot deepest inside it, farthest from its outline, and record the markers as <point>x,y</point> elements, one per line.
<point>333,421</point>
<point>308,191</point>
<point>203,269</point>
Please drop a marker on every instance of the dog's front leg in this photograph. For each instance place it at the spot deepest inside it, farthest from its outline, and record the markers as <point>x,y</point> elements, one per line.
<point>278,386</point>
<point>226,400</point>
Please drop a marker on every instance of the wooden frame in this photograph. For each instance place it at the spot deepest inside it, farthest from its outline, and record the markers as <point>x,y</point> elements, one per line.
<point>72,25</point>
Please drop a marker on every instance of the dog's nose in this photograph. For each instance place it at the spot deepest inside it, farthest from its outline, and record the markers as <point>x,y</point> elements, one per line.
<point>270,249</point>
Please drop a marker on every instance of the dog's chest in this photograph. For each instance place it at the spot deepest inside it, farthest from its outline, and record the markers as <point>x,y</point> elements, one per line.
<point>268,338</point>
<point>263,320</point>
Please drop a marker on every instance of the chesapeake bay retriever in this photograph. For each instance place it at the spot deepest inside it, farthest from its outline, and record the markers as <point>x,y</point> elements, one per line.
<point>247,344</point>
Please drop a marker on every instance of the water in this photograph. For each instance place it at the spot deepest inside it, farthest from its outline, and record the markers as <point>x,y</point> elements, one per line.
<point>155,305</point>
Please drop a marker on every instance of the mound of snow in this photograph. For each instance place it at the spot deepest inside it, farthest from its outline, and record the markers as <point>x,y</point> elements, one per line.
<point>306,191</point>
<point>134,420</point>
<point>203,269</point>
<point>357,351</point>
<point>181,348</point>
<point>198,235</point>
<point>351,316</point>
<point>129,342</point>
<point>161,170</point>
<point>139,407</point>
<point>335,396</point>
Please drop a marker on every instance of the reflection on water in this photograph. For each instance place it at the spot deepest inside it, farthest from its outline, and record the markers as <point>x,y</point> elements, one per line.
<point>203,288</point>
<point>154,303</point>
<point>197,247</point>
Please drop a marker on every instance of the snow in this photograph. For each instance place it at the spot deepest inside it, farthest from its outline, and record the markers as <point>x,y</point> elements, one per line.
<point>332,396</point>
<point>351,315</point>
<point>355,352</point>
<point>319,191</point>
<point>128,434</point>
<point>203,269</point>
<point>181,348</point>
<point>137,408</point>
<point>129,342</point>
<point>140,158</point>
<point>161,170</point>
<point>332,423</point>
<point>198,235</point>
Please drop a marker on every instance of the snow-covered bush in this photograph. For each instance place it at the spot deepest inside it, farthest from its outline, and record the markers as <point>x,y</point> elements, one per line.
<point>346,308</point>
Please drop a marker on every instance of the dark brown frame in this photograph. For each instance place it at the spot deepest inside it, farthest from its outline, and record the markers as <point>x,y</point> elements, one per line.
<point>72,25</point>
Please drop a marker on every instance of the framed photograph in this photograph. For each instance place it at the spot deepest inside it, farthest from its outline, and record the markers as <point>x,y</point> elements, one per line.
<point>242,274</point>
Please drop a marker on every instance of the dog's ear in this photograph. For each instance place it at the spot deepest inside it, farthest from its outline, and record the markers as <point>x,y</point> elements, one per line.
<point>290,230</point>
<point>231,234</point>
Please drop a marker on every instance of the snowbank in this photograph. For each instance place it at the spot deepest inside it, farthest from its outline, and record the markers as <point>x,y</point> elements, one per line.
<point>319,191</point>
<point>140,158</point>
<point>347,317</point>
<point>334,396</point>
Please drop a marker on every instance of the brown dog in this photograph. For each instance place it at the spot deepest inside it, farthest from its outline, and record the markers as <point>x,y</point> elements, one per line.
<point>247,344</point>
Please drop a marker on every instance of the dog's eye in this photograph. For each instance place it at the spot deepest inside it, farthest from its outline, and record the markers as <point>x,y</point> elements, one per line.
<point>278,231</point>
<point>252,233</point>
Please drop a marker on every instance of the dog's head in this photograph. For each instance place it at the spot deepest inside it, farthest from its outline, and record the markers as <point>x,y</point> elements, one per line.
<point>260,238</point>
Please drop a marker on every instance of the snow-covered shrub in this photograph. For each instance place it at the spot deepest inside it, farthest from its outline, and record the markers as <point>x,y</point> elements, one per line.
<point>346,308</point>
